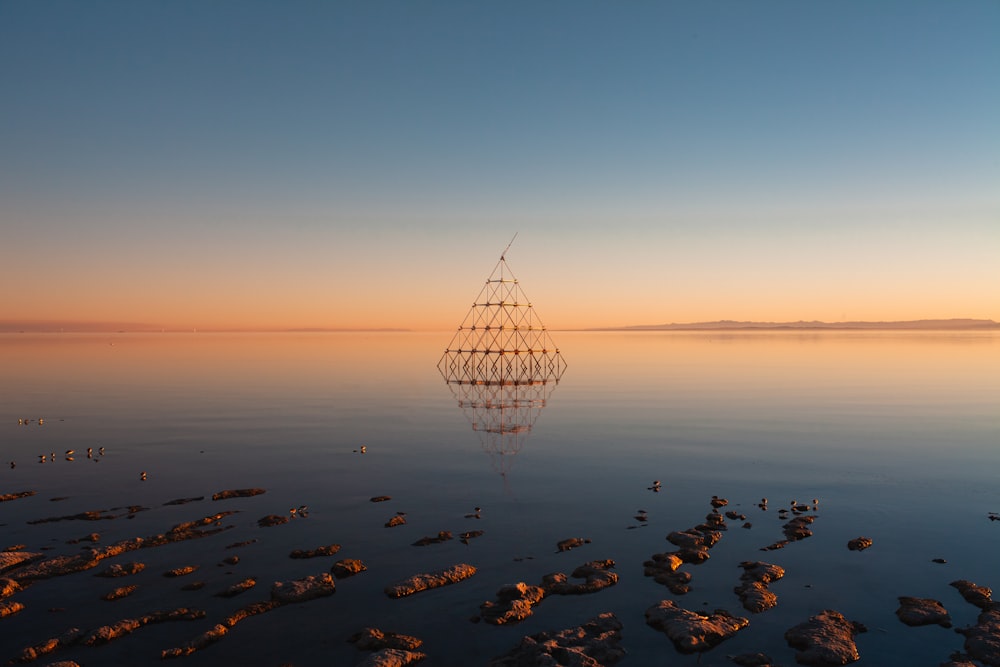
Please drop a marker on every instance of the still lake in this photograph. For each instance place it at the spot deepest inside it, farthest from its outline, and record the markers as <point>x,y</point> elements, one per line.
<point>896,434</point>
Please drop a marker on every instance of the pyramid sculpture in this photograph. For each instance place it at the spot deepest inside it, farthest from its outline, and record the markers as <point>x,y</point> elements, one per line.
<point>501,341</point>
<point>502,365</point>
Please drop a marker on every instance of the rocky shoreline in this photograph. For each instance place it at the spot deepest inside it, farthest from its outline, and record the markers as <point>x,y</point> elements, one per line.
<point>823,638</point>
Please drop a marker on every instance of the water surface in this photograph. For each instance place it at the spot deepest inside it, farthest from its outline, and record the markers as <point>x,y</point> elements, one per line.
<point>895,434</point>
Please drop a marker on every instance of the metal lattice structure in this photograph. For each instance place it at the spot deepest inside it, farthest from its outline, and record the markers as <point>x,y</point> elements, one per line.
<point>502,365</point>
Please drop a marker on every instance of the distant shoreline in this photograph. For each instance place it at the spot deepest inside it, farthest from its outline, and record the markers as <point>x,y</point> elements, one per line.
<point>731,325</point>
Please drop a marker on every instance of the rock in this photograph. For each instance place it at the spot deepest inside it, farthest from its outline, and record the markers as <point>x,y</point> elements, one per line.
<point>719,502</point>
<point>8,587</point>
<point>981,596</point>
<point>513,605</point>
<point>10,560</point>
<point>380,499</point>
<point>469,535</point>
<point>184,501</point>
<point>231,560</point>
<point>392,657</point>
<point>347,567</point>
<point>9,608</point>
<point>982,640</point>
<point>859,543</point>
<point>193,586</point>
<point>597,574</point>
<point>301,590</point>
<point>922,611</point>
<point>252,609</point>
<point>126,626</point>
<point>237,588</point>
<point>118,593</point>
<point>235,493</point>
<point>122,570</point>
<point>6,497</point>
<point>596,643</point>
<point>753,592</point>
<point>180,571</point>
<point>272,520</point>
<point>571,543</point>
<point>328,550</point>
<point>691,631</point>
<point>423,582</point>
<point>825,639</point>
<point>443,536</point>
<point>397,520</point>
<point>663,569</point>
<point>373,639</point>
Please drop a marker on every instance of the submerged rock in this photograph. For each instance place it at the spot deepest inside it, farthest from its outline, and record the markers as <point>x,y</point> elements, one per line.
<point>348,567</point>
<point>826,639</point>
<point>981,596</point>
<point>122,570</point>
<point>442,536</point>
<point>302,590</point>
<point>859,543</point>
<point>571,543</point>
<point>690,631</point>
<point>392,657</point>
<point>373,639</point>
<point>596,643</point>
<point>272,520</point>
<point>982,640</point>
<point>237,588</point>
<point>328,550</point>
<point>234,493</point>
<point>753,592</point>
<point>922,611</point>
<point>423,582</point>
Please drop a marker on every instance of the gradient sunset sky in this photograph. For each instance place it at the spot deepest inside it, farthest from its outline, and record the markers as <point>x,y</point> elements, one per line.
<point>240,164</point>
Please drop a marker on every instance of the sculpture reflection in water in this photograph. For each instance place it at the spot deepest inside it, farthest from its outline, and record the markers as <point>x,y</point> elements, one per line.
<point>502,366</point>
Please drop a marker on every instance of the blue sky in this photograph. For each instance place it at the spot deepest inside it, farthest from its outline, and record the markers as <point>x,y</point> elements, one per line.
<point>671,161</point>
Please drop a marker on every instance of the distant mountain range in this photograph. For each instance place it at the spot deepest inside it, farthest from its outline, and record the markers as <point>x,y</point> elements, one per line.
<point>732,325</point>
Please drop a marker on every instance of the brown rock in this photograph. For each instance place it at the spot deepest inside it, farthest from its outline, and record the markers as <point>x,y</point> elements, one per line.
<point>922,611</point>
<point>859,543</point>
<point>423,582</point>
<point>122,570</point>
<point>981,596</point>
<point>272,520</point>
<point>443,536</point>
<point>392,657</point>
<point>571,543</point>
<point>235,493</point>
<point>180,571</point>
<point>237,588</point>
<point>513,604</point>
<point>596,643</point>
<point>327,550</point>
<point>691,631</point>
<point>982,640</point>
<point>753,592</point>
<point>118,593</point>
<point>825,639</point>
<point>380,499</point>
<point>302,590</point>
<point>6,497</point>
<point>397,520</point>
<point>347,567</point>
<point>10,560</point>
<point>8,587</point>
<point>9,608</point>
<point>597,574</point>
<point>373,639</point>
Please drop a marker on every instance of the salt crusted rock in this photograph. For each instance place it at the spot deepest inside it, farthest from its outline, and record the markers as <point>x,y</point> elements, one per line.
<point>922,611</point>
<point>423,582</point>
<point>825,639</point>
<point>690,631</point>
<point>596,643</point>
<point>859,543</point>
<point>301,590</point>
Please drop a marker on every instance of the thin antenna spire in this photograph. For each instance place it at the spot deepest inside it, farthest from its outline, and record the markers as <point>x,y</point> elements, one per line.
<point>508,247</point>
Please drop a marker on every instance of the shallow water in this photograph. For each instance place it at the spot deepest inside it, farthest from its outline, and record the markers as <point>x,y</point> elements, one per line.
<point>897,435</point>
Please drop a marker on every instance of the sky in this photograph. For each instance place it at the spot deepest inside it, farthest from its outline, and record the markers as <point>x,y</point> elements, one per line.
<point>238,164</point>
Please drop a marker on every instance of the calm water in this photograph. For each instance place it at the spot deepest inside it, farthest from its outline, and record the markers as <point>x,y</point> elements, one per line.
<point>896,434</point>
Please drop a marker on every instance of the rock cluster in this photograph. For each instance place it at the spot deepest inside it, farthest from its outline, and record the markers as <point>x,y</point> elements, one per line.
<point>596,643</point>
<point>825,639</point>
<point>692,631</point>
<point>515,601</point>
